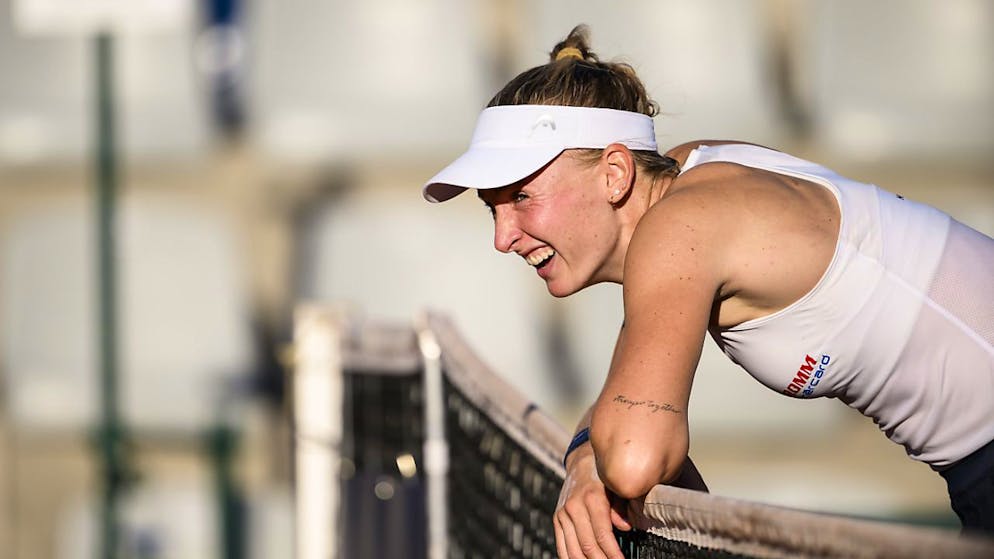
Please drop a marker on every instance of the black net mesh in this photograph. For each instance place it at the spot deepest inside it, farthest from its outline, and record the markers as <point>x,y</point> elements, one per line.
<point>383,419</point>
<point>643,545</point>
<point>501,497</point>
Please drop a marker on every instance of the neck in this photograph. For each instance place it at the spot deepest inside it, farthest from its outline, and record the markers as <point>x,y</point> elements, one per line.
<point>643,197</point>
<point>657,188</point>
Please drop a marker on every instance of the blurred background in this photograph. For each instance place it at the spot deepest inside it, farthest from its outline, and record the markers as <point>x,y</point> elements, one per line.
<point>254,155</point>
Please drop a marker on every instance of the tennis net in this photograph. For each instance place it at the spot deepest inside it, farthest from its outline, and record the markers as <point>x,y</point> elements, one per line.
<point>502,473</point>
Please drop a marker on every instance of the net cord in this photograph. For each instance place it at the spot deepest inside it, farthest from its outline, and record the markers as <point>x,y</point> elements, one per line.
<point>523,421</point>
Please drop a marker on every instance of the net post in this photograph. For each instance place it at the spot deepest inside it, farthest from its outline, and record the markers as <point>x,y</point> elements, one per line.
<point>436,449</point>
<point>317,392</point>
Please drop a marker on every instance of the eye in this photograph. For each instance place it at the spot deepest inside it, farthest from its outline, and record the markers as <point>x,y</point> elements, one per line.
<point>519,196</point>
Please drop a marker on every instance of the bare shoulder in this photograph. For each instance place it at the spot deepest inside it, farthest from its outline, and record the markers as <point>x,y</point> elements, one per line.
<point>750,234</point>
<point>681,238</point>
<point>703,200</point>
<point>682,242</point>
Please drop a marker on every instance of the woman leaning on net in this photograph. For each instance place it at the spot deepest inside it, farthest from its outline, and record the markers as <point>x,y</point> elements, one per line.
<point>817,285</point>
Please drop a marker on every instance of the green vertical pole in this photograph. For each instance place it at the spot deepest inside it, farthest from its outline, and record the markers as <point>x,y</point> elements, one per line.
<point>110,432</point>
<point>222,444</point>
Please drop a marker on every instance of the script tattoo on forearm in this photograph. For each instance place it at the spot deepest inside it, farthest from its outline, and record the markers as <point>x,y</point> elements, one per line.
<point>651,405</point>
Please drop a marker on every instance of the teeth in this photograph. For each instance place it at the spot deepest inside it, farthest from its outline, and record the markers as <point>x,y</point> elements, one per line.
<point>539,256</point>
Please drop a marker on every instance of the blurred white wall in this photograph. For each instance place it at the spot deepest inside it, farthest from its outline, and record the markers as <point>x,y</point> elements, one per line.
<point>899,79</point>
<point>183,320</point>
<point>335,80</point>
<point>44,96</point>
<point>48,95</point>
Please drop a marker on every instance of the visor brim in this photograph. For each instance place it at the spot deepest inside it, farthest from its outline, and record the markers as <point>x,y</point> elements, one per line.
<point>486,167</point>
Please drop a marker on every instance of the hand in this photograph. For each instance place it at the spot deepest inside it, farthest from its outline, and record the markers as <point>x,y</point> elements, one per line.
<point>587,511</point>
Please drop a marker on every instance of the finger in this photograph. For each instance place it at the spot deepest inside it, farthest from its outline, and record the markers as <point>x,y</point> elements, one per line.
<point>619,512</point>
<point>571,542</point>
<point>601,523</point>
<point>590,538</point>
<point>619,521</point>
<point>560,538</point>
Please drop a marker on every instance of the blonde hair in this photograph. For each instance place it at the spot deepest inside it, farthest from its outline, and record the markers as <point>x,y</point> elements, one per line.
<point>575,76</point>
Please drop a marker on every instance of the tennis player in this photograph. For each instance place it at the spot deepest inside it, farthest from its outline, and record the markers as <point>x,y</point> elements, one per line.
<point>816,284</point>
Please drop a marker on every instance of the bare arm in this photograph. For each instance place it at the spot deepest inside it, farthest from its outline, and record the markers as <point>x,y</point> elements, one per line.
<point>639,430</point>
<point>588,512</point>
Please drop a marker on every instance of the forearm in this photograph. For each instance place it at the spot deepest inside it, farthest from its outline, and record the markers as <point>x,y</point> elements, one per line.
<point>582,449</point>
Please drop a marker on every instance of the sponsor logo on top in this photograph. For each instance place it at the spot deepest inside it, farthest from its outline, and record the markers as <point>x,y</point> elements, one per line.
<point>807,377</point>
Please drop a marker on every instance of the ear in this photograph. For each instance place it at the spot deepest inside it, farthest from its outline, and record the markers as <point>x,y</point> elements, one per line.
<point>619,172</point>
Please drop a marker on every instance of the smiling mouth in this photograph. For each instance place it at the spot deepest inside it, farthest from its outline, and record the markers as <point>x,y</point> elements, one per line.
<point>540,258</point>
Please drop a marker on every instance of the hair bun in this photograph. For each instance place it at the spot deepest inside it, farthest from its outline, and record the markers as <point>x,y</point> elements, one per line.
<point>575,45</point>
<point>569,52</point>
<point>583,82</point>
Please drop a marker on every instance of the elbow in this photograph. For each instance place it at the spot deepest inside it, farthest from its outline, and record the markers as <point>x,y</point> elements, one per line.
<point>626,477</point>
<point>631,466</point>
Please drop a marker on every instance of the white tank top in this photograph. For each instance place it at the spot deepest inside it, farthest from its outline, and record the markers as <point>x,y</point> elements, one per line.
<point>900,326</point>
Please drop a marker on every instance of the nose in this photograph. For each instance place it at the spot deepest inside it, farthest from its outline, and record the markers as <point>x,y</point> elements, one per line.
<point>506,231</point>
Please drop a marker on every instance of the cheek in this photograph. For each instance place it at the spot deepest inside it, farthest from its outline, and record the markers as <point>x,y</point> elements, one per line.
<point>582,221</point>
<point>564,219</point>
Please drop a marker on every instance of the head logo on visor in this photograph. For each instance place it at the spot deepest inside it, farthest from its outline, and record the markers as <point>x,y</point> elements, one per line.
<point>545,124</point>
<point>511,142</point>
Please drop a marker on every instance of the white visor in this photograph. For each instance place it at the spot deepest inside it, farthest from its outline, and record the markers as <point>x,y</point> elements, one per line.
<point>512,142</point>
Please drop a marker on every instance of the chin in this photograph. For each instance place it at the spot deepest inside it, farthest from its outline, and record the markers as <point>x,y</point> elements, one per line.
<point>560,291</point>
